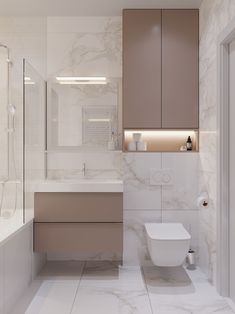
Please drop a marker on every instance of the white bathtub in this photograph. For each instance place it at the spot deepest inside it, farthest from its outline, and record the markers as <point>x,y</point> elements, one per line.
<point>18,263</point>
<point>8,226</point>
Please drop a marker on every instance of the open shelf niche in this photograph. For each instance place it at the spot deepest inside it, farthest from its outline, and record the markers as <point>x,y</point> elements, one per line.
<point>160,140</point>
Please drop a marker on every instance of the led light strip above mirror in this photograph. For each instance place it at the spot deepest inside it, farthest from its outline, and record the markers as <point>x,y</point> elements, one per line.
<point>81,80</point>
<point>28,81</point>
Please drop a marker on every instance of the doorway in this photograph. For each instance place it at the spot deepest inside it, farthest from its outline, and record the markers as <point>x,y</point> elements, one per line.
<point>226,163</point>
<point>232,169</point>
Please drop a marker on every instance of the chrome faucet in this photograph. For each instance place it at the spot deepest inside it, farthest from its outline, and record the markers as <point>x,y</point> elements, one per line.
<point>84,169</point>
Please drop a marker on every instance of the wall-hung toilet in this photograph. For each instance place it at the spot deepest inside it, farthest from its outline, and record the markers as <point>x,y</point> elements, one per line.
<point>168,243</point>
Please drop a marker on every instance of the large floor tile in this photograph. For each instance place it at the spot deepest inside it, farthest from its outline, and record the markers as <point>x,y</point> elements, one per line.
<point>115,300</point>
<point>65,270</point>
<point>54,297</point>
<point>107,287</point>
<point>54,289</point>
<point>112,275</point>
<point>179,291</point>
<point>180,307</point>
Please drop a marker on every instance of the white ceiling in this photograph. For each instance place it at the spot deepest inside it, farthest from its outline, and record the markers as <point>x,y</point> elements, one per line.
<point>85,7</point>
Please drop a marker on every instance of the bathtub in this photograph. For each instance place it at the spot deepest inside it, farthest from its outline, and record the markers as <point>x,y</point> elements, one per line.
<point>18,264</point>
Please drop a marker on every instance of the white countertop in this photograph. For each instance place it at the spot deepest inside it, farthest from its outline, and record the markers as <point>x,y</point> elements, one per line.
<point>80,185</point>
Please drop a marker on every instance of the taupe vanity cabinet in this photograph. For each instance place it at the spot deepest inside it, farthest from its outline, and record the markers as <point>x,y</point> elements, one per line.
<point>160,69</point>
<point>78,222</point>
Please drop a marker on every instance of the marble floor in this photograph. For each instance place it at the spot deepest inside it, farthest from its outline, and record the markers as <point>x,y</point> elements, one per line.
<point>106,288</point>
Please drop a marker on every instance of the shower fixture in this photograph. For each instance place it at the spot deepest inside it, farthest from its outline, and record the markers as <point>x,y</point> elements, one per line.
<point>10,111</point>
<point>8,52</point>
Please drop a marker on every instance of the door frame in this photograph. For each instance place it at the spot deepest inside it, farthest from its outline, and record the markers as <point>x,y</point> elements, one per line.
<point>223,245</point>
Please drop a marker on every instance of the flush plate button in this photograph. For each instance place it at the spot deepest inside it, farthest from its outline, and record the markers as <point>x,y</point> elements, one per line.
<point>161,177</point>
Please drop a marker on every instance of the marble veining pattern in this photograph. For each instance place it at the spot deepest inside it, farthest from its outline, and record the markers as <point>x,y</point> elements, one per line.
<point>87,52</point>
<point>214,17</point>
<point>107,287</point>
<point>93,46</point>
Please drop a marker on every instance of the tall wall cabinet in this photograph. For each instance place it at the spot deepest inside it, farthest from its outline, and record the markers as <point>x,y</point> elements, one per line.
<point>160,69</point>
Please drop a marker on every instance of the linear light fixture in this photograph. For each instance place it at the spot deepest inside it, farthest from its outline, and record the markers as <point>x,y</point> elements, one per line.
<point>28,81</point>
<point>81,78</point>
<point>82,82</point>
<point>99,120</point>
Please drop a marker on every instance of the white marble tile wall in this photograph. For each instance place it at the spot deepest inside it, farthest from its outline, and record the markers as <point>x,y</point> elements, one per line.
<point>92,46</point>
<point>214,17</point>
<point>138,193</point>
<point>183,193</point>
<point>144,202</point>
<point>98,165</point>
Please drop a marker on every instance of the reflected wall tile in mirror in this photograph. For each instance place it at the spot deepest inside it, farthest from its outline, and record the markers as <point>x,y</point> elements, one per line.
<point>88,46</point>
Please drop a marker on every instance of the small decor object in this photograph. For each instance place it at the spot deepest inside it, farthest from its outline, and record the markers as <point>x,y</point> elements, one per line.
<point>111,143</point>
<point>189,143</point>
<point>136,137</point>
<point>132,146</point>
<point>191,260</point>
<point>203,201</point>
<point>141,146</point>
<point>183,148</point>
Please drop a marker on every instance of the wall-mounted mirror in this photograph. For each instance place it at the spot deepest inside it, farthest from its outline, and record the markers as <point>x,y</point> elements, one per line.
<point>84,113</point>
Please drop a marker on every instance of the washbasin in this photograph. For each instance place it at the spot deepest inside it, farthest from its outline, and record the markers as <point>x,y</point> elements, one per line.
<point>79,185</point>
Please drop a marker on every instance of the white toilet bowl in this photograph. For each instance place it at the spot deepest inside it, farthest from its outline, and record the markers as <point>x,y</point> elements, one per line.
<point>168,243</point>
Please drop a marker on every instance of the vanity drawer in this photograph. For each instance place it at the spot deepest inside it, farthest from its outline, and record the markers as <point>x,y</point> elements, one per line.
<point>78,237</point>
<point>78,207</point>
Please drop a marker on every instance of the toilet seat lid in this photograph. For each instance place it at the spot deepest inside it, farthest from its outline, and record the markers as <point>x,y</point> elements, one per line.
<point>167,231</point>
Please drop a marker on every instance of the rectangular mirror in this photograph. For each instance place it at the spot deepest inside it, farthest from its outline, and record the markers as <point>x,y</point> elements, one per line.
<point>84,113</point>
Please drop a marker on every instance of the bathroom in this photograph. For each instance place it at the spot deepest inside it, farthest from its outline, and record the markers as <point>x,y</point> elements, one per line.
<point>84,121</point>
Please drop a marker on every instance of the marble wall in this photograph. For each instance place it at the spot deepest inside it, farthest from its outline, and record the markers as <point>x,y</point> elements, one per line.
<point>214,17</point>
<point>144,202</point>
<point>92,46</point>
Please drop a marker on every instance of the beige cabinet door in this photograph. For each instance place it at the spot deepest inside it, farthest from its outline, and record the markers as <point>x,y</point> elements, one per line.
<point>180,68</point>
<point>141,69</point>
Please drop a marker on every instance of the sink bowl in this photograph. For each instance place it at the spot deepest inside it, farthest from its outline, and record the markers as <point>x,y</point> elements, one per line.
<point>80,185</point>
